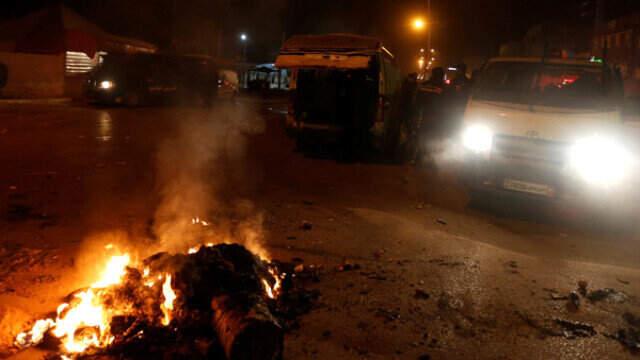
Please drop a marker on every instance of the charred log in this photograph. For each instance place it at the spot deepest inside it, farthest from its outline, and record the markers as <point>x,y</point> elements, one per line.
<point>246,329</point>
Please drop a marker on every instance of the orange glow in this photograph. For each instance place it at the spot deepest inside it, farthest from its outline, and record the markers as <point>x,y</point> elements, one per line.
<point>418,24</point>
<point>115,270</point>
<point>86,312</point>
<point>273,291</point>
<point>169,298</point>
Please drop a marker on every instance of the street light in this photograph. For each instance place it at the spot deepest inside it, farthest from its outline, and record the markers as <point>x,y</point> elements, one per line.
<point>243,39</point>
<point>418,23</point>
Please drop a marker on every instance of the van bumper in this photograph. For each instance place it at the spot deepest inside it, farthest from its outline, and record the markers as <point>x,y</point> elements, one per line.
<point>552,182</point>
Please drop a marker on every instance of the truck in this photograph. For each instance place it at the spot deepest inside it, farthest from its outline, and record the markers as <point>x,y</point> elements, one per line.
<point>343,87</point>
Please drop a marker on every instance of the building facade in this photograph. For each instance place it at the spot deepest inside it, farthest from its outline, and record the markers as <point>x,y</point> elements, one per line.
<point>618,41</point>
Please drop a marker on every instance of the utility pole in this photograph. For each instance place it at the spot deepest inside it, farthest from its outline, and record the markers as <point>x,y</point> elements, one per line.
<point>597,24</point>
<point>430,28</point>
<point>598,15</point>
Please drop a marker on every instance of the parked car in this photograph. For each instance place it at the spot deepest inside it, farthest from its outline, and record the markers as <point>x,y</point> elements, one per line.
<point>147,78</point>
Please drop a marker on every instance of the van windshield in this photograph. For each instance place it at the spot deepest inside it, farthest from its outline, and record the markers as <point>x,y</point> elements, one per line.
<point>557,85</point>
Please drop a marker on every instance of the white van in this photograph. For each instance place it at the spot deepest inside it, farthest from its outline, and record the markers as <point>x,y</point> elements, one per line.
<point>548,128</point>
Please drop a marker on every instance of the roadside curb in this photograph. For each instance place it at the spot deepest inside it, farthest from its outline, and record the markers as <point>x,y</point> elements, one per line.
<point>47,101</point>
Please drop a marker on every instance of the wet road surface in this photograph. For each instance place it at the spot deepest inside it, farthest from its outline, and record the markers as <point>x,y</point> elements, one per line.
<point>435,277</point>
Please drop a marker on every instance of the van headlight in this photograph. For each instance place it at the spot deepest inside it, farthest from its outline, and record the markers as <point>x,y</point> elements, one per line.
<point>477,138</point>
<point>600,160</point>
<point>105,84</point>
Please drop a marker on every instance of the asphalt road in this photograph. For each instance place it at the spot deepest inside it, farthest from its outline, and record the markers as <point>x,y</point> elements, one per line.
<point>75,177</point>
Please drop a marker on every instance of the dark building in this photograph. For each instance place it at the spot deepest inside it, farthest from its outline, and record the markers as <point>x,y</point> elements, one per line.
<point>619,41</point>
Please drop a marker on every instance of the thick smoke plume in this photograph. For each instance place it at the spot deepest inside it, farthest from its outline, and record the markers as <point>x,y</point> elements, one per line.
<point>198,172</point>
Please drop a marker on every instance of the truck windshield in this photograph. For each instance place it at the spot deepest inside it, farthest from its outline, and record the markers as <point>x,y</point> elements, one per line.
<point>557,85</point>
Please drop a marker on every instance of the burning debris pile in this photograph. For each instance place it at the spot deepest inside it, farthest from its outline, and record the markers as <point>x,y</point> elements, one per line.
<point>214,302</point>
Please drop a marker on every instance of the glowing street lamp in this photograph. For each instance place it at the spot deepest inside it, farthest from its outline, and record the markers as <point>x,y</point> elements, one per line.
<point>418,24</point>
<point>243,39</point>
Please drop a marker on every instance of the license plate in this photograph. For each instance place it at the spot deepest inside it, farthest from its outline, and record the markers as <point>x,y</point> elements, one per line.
<point>527,187</point>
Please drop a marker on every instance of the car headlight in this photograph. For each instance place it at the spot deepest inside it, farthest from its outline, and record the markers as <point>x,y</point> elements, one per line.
<point>477,138</point>
<point>105,84</point>
<point>600,160</point>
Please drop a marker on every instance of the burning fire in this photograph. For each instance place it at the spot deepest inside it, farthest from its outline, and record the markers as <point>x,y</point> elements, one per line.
<point>115,270</point>
<point>273,291</point>
<point>84,322</point>
<point>169,298</point>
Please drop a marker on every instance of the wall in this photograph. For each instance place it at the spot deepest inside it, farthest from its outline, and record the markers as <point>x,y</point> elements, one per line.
<point>33,75</point>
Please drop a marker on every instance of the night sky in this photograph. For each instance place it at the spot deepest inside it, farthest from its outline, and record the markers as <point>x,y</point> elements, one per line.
<point>460,27</point>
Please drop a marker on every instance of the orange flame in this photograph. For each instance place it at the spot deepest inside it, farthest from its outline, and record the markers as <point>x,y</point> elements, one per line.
<point>86,311</point>
<point>273,291</point>
<point>115,270</point>
<point>169,298</point>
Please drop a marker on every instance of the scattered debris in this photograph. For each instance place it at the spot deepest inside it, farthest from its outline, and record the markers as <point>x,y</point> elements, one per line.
<point>572,330</point>
<point>373,275</point>
<point>630,337</point>
<point>442,262</point>
<point>582,287</point>
<point>608,294</point>
<point>421,295</point>
<point>441,221</point>
<point>573,301</point>
<point>348,265</point>
<point>378,253</point>
<point>544,331</point>
<point>306,225</point>
<point>557,297</point>
<point>625,282</point>
<point>449,302</point>
<point>388,315</point>
<point>512,264</point>
<point>631,319</point>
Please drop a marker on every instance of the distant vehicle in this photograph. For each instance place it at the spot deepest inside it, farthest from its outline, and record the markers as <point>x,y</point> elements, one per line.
<point>266,78</point>
<point>138,79</point>
<point>228,83</point>
<point>549,128</point>
<point>343,87</point>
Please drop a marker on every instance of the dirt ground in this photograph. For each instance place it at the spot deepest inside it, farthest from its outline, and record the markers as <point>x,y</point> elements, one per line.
<point>426,277</point>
